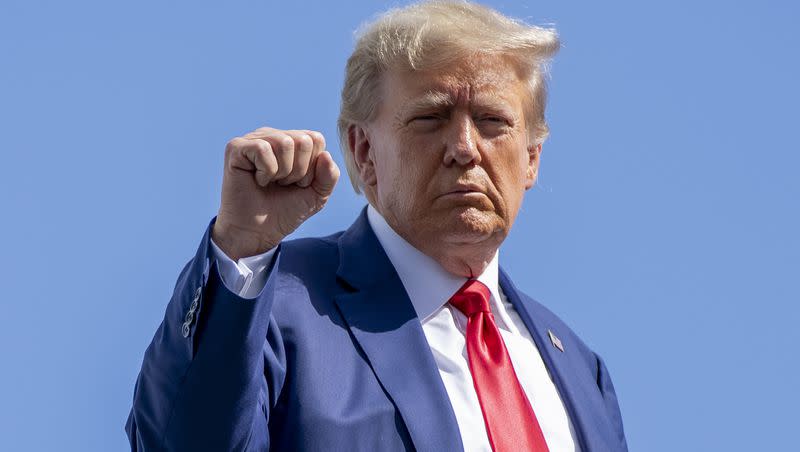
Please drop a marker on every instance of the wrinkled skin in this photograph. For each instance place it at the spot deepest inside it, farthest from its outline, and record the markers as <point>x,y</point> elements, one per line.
<point>447,159</point>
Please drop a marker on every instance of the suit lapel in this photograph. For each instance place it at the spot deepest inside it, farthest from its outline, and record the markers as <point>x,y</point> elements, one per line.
<point>382,320</point>
<point>577,389</point>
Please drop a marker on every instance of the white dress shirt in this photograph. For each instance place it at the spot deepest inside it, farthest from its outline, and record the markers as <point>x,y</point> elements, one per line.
<point>429,287</point>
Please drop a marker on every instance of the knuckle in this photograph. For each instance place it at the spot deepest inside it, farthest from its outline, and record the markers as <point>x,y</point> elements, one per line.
<point>263,147</point>
<point>319,139</point>
<point>305,142</point>
<point>287,143</point>
<point>233,143</point>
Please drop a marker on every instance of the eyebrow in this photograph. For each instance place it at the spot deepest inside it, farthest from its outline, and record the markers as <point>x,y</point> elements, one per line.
<point>439,99</point>
<point>429,100</point>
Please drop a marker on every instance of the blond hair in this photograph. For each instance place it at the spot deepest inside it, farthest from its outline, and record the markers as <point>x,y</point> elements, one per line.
<point>431,34</point>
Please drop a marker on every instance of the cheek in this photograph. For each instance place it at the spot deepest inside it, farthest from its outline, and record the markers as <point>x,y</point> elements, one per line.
<point>385,171</point>
<point>414,166</point>
<point>511,172</point>
<point>393,176</point>
<point>512,159</point>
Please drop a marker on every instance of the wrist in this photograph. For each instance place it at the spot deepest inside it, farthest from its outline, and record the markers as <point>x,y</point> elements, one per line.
<point>238,242</point>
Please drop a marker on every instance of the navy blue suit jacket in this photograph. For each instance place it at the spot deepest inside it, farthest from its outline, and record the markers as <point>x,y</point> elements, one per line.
<point>329,357</point>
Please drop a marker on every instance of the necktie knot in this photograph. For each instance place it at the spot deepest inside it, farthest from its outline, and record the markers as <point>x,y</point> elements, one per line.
<point>471,298</point>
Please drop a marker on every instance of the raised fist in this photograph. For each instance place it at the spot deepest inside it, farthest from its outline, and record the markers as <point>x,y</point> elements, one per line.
<point>273,181</point>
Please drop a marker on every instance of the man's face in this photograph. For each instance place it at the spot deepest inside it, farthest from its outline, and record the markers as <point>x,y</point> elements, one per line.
<point>450,153</point>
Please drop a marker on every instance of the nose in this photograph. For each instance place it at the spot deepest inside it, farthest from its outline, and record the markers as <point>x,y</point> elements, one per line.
<point>461,146</point>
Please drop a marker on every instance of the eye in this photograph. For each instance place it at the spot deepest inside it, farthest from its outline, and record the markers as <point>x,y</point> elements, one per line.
<point>493,125</point>
<point>425,123</point>
<point>426,118</point>
<point>494,120</point>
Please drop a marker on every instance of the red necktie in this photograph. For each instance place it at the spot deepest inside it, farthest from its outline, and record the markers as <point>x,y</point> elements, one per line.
<point>510,421</point>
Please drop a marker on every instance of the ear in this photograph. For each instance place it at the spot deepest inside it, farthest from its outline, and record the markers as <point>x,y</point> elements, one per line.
<point>359,142</point>
<point>532,172</point>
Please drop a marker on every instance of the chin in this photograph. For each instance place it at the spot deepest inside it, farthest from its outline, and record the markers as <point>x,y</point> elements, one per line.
<point>472,226</point>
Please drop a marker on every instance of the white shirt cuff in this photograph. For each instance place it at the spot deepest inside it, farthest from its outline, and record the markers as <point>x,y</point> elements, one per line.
<point>245,277</point>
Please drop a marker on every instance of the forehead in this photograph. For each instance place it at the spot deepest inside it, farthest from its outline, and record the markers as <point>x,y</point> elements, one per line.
<point>480,80</point>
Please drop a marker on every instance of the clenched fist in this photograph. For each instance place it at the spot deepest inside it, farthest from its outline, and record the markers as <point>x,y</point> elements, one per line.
<point>274,180</point>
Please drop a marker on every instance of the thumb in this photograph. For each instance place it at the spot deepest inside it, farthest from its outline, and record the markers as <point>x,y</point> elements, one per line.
<point>326,174</point>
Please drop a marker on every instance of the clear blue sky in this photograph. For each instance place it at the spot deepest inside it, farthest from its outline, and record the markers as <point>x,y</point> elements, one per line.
<point>664,227</point>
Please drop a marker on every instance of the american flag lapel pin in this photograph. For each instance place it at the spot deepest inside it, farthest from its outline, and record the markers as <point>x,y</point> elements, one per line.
<point>556,341</point>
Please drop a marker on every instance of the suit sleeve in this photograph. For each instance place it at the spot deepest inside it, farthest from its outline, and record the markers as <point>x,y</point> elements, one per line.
<point>214,368</point>
<point>610,399</point>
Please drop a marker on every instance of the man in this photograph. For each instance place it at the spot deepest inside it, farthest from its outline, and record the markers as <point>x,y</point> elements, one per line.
<point>400,333</point>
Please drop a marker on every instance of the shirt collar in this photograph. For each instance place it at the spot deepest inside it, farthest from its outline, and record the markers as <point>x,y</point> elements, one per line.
<point>427,283</point>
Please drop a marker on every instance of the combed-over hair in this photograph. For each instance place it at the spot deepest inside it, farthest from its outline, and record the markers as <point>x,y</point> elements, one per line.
<point>432,34</point>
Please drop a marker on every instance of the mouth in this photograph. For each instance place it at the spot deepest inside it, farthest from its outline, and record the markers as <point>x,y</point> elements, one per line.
<point>464,191</point>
